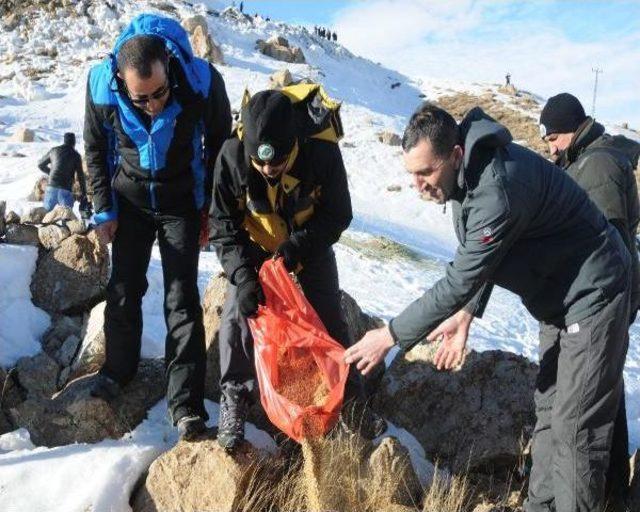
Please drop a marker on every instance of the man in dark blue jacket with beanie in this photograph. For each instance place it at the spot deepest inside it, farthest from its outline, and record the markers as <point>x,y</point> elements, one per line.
<point>526,226</point>
<point>156,117</point>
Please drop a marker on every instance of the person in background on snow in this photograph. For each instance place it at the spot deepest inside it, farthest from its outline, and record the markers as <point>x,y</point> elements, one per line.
<point>598,163</point>
<point>276,193</point>
<point>156,117</point>
<point>63,164</point>
<point>525,225</point>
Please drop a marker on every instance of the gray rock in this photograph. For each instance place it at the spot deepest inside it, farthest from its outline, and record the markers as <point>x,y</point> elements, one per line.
<point>12,218</point>
<point>278,40</point>
<point>199,476</point>
<point>73,277</point>
<point>73,415</point>
<point>11,394</point>
<point>201,40</point>
<point>62,327</point>
<point>68,350</point>
<point>21,234</point>
<point>212,303</point>
<point>390,457</point>
<point>23,135</point>
<point>394,188</point>
<point>51,236</point>
<point>91,353</point>
<point>76,227</point>
<point>390,138</point>
<point>35,215</point>
<point>280,79</point>
<point>477,417</point>
<point>38,375</point>
<point>59,213</point>
<point>285,53</point>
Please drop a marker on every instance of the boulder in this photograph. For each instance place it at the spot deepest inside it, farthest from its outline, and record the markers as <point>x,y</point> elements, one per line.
<point>394,188</point>
<point>61,328</point>
<point>199,476</point>
<point>359,323</point>
<point>11,394</point>
<point>12,218</point>
<point>38,375</point>
<point>21,234</point>
<point>201,41</point>
<point>51,236</point>
<point>68,350</point>
<point>35,215</point>
<point>391,474</point>
<point>280,79</point>
<point>390,138</point>
<point>91,354</point>
<point>212,303</point>
<point>39,189</point>
<point>273,48</point>
<point>73,415</point>
<point>59,213</point>
<point>23,135</point>
<point>76,227</point>
<point>477,417</point>
<point>73,277</point>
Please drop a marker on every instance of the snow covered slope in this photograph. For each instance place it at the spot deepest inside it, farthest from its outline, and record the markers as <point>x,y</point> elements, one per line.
<point>382,282</point>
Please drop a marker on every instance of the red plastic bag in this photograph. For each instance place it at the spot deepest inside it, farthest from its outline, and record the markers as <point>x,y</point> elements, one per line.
<point>297,362</point>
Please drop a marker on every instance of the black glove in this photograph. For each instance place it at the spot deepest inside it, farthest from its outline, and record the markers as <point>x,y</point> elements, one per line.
<point>250,294</point>
<point>290,253</point>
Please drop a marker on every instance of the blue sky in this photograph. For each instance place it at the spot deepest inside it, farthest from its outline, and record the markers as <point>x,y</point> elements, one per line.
<point>549,46</point>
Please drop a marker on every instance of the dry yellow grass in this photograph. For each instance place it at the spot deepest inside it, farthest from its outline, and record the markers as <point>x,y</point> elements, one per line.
<point>332,475</point>
<point>523,127</point>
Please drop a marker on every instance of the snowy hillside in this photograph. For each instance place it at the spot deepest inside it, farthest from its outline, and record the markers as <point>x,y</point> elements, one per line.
<point>59,49</point>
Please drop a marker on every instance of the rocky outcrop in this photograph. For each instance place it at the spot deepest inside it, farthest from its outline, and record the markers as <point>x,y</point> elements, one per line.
<point>198,476</point>
<point>73,277</point>
<point>280,79</point>
<point>212,303</point>
<point>201,41</point>
<point>39,189</point>
<point>23,135</point>
<point>477,417</point>
<point>278,48</point>
<point>21,234</point>
<point>74,416</point>
<point>390,138</point>
<point>391,474</point>
<point>34,215</point>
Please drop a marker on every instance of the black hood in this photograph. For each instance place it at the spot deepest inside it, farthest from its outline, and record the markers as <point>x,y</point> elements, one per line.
<point>69,139</point>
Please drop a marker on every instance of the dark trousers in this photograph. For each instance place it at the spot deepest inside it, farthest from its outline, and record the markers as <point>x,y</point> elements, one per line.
<point>578,395</point>
<point>319,282</point>
<point>184,345</point>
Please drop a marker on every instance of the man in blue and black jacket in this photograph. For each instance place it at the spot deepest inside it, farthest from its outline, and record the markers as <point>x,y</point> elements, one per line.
<point>156,117</point>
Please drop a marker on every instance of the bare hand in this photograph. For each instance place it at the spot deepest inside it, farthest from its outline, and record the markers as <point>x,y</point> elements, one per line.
<point>107,231</point>
<point>454,332</point>
<point>370,350</point>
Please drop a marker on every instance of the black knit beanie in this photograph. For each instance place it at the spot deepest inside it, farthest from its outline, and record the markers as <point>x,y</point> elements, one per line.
<point>268,130</point>
<point>563,113</point>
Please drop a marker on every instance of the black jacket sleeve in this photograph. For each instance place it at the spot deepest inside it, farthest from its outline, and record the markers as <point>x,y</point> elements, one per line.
<point>491,228</point>
<point>80,176</point>
<point>44,162</point>
<point>332,214</point>
<point>217,127</point>
<point>230,239</point>
<point>96,148</point>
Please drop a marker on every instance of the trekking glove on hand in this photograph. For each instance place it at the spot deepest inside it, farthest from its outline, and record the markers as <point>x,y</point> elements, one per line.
<point>250,295</point>
<point>290,253</point>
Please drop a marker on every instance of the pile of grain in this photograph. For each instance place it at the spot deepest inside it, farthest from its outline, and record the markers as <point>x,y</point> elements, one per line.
<point>300,381</point>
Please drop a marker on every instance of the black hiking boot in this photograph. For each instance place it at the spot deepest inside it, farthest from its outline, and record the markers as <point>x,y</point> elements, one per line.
<point>105,388</point>
<point>234,408</point>
<point>190,426</point>
<point>357,417</point>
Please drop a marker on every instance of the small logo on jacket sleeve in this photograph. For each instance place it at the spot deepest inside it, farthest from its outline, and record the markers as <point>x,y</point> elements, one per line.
<point>487,236</point>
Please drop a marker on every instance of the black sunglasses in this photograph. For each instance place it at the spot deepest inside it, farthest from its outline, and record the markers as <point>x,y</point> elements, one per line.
<point>144,100</point>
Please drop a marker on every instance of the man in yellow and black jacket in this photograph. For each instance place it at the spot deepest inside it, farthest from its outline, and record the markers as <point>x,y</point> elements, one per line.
<point>274,193</point>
